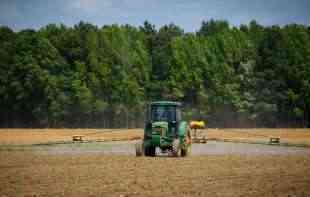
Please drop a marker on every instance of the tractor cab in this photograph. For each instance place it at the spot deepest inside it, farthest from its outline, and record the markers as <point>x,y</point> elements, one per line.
<point>164,128</point>
<point>166,113</point>
<point>163,116</point>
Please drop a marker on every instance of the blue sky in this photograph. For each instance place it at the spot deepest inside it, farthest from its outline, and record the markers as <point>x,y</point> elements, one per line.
<point>21,14</point>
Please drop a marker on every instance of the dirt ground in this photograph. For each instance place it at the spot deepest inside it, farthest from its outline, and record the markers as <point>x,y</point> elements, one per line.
<point>25,173</point>
<point>128,148</point>
<point>111,169</point>
<point>31,136</point>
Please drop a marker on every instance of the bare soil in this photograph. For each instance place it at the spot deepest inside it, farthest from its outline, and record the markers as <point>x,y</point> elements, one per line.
<point>210,148</point>
<point>25,173</point>
<point>111,169</point>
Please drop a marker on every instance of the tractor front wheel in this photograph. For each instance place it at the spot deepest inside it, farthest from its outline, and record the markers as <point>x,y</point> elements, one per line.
<point>139,149</point>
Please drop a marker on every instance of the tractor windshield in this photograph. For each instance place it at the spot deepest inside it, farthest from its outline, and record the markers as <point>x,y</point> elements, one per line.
<point>163,113</point>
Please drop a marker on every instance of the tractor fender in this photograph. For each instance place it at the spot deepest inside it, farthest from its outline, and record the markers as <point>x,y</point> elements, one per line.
<point>182,129</point>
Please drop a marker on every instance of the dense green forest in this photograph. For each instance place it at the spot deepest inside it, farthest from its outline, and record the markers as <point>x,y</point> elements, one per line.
<point>89,76</point>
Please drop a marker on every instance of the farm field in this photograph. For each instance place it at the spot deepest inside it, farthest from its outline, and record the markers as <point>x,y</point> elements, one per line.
<point>111,169</point>
<point>32,136</point>
<point>292,136</point>
<point>24,173</point>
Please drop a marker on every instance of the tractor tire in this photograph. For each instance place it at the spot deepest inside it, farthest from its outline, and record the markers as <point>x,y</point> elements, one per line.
<point>176,151</point>
<point>139,149</point>
<point>150,151</point>
<point>186,150</point>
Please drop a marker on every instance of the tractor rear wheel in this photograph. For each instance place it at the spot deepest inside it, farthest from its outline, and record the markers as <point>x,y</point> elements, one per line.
<point>139,149</point>
<point>176,151</point>
<point>186,150</point>
<point>150,151</point>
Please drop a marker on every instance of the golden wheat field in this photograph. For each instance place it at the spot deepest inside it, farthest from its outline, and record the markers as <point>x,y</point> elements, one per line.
<point>33,172</point>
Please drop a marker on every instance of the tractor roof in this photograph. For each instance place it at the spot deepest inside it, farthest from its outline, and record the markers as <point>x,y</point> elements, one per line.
<point>171,103</point>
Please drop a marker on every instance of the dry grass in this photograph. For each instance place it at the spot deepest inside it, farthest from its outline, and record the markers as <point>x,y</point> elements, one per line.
<point>28,174</point>
<point>294,136</point>
<point>31,136</point>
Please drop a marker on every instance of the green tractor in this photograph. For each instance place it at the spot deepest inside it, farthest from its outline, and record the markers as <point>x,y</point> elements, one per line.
<point>164,128</point>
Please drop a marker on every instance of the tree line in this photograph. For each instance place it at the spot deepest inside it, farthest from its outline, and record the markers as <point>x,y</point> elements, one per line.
<point>90,76</point>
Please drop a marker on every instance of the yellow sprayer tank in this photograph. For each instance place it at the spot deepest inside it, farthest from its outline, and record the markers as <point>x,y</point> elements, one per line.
<point>197,124</point>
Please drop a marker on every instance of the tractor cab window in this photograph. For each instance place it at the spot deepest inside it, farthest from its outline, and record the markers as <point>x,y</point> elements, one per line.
<point>163,113</point>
